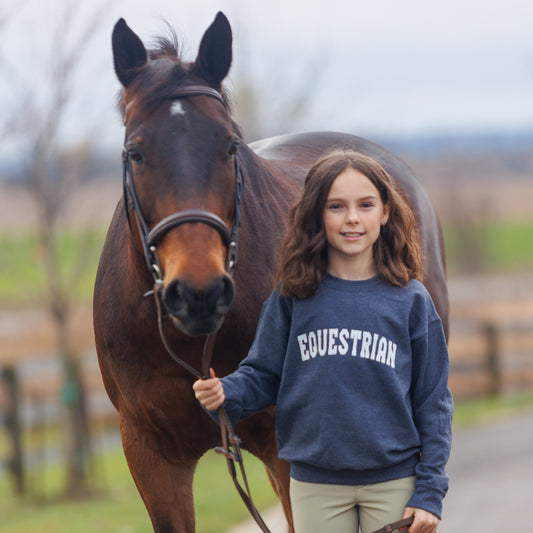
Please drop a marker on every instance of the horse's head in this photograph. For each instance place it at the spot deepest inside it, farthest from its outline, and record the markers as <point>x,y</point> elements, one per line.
<point>181,173</point>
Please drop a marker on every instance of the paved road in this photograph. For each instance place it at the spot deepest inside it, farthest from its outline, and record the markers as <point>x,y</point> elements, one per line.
<point>491,488</point>
<point>491,471</point>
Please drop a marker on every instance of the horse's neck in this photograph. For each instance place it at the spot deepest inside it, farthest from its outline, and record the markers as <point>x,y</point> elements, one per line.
<point>268,179</point>
<point>268,196</point>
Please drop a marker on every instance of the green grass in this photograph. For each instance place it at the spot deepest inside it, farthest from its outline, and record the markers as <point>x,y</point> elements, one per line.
<point>512,245</point>
<point>495,246</point>
<point>116,506</point>
<point>478,411</point>
<point>22,270</point>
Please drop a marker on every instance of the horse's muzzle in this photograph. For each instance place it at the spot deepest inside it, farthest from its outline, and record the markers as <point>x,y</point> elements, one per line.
<point>198,312</point>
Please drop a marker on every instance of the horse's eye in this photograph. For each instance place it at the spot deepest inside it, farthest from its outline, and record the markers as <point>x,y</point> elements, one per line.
<point>232,150</point>
<point>135,156</point>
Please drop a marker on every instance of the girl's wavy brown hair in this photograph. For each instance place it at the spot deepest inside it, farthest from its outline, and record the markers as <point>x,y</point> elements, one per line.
<point>303,257</point>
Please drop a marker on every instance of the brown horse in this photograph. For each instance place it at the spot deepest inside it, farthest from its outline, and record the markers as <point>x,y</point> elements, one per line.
<point>176,224</point>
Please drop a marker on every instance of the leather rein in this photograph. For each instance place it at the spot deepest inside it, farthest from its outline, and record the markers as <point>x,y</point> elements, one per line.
<point>149,238</point>
<point>390,528</point>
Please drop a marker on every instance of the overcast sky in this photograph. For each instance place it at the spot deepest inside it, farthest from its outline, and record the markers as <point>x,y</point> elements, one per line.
<point>376,67</point>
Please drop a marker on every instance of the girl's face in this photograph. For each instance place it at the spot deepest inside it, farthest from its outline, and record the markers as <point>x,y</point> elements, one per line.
<point>353,217</point>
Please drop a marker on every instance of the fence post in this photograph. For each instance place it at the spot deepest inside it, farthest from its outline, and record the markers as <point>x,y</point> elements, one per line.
<point>493,358</point>
<point>15,463</point>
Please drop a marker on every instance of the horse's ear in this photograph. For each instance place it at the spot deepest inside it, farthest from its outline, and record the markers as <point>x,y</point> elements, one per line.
<point>129,53</point>
<point>215,53</point>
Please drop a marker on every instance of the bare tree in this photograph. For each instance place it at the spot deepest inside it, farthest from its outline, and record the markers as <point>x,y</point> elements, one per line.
<point>274,98</point>
<point>38,116</point>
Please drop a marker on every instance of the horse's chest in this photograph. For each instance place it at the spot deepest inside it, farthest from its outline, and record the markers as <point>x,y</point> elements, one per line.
<point>159,398</point>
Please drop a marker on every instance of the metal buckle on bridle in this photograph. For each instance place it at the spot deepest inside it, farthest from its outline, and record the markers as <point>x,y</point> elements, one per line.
<point>229,453</point>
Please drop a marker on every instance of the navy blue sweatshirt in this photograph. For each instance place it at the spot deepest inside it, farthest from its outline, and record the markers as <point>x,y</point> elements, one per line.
<point>359,375</point>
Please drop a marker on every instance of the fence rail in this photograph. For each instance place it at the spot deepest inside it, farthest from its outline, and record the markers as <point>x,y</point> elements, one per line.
<point>488,357</point>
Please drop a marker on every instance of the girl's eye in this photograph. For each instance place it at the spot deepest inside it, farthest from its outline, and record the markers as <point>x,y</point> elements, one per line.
<point>367,205</point>
<point>335,207</point>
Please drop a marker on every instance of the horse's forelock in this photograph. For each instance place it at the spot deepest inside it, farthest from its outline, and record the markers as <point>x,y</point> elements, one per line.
<point>150,91</point>
<point>166,46</point>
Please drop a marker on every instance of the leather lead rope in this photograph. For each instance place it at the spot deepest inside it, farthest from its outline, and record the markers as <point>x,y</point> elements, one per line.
<point>230,448</point>
<point>389,528</point>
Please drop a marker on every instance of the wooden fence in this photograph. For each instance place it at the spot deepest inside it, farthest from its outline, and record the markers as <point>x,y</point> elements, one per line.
<point>489,357</point>
<point>32,400</point>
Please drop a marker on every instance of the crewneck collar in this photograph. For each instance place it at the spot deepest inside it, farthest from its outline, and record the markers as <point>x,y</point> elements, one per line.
<point>341,284</point>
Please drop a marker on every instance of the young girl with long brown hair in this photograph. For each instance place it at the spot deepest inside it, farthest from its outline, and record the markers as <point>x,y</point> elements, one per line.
<point>350,349</point>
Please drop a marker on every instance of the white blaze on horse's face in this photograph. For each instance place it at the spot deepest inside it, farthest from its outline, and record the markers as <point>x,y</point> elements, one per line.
<point>177,109</point>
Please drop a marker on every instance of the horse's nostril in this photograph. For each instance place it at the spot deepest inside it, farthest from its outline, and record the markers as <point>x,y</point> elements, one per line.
<point>175,298</point>
<point>227,295</point>
<point>182,300</point>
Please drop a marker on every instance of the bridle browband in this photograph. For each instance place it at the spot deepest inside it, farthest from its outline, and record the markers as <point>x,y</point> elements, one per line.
<point>149,238</point>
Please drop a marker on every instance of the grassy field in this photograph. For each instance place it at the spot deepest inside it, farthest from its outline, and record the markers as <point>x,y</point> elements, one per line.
<point>22,272</point>
<point>116,507</point>
<point>503,246</point>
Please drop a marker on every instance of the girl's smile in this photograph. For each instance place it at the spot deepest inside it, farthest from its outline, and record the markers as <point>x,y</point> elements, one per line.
<point>352,236</point>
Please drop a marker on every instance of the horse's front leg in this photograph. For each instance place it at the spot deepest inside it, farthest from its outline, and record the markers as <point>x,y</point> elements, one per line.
<point>164,483</point>
<point>278,472</point>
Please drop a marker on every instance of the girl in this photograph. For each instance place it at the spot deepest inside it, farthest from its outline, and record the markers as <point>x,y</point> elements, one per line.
<point>352,352</point>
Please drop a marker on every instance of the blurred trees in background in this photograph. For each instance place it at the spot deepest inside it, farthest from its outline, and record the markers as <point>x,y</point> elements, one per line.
<point>36,118</point>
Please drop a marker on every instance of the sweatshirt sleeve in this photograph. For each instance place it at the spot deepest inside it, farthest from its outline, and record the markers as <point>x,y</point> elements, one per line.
<point>432,405</point>
<point>254,385</point>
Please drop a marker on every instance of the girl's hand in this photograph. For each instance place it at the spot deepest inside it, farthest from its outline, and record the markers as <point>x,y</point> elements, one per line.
<point>209,392</point>
<point>424,522</point>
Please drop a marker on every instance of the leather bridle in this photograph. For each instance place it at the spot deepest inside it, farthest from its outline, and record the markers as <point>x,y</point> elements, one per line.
<point>149,238</point>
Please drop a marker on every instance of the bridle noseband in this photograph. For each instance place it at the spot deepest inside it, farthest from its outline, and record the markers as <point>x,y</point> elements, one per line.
<point>150,237</point>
